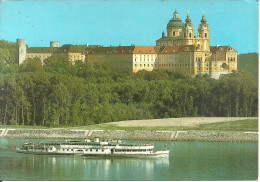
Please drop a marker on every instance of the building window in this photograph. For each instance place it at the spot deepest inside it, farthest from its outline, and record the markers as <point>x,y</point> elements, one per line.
<point>140,65</point>
<point>173,33</point>
<point>144,65</point>
<point>184,35</point>
<point>190,34</point>
<point>151,65</point>
<point>206,35</point>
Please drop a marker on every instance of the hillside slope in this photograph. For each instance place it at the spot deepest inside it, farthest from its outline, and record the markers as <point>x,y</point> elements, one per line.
<point>248,62</point>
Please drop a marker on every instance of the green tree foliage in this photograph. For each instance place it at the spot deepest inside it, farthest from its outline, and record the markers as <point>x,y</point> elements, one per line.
<point>248,62</point>
<point>7,51</point>
<point>61,94</point>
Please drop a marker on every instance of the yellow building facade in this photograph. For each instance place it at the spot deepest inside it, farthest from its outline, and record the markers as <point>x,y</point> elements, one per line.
<point>204,59</point>
<point>181,50</point>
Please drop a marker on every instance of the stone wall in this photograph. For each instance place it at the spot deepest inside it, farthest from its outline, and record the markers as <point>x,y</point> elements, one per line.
<point>133,135</point>
<point>234,136</point>
<point>43,133</point>
<point>217,136</point>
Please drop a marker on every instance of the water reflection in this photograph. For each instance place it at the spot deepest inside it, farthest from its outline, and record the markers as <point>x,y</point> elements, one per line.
<point>78,168</point>
<point>187,161</point>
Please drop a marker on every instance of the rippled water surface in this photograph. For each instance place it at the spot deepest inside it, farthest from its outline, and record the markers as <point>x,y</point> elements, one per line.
<point>187,161</point>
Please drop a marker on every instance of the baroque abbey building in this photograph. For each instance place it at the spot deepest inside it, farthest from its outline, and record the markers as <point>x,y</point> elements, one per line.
<point>180,50</point>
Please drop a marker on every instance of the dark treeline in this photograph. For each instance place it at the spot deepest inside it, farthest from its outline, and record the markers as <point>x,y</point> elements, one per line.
<point>60,94</point>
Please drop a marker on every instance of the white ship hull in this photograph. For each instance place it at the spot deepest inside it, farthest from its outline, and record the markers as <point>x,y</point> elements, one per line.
<point>118,155</point>
<point>93,149</point>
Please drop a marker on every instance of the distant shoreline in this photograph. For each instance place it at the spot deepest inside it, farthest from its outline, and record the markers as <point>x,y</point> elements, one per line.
<point>198,135</point>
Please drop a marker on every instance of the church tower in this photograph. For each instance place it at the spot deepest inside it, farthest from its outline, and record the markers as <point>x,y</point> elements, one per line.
<point>202,39</point>
<point>188,32</point>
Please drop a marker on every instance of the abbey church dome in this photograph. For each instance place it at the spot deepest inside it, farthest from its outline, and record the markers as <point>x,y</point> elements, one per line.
<point>175,22</point>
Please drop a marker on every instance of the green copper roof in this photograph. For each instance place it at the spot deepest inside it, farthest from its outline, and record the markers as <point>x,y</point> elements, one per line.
<point>188,20</point>
<point>169,38</point>
<point>203,20</point>
<point>175,23</point>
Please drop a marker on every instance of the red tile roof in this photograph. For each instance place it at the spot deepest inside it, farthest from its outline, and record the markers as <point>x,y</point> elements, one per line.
<point>214,49</point>
<point>126,50</point>
<point>123,50</point>
<point>144,50</point>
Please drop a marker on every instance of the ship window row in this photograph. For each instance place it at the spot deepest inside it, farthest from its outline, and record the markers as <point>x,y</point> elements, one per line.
<point>85,150</point>
<point>132,150</point>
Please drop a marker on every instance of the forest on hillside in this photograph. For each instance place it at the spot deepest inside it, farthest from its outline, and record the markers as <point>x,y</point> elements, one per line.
<point>60,94</point>
<point>248,62</point>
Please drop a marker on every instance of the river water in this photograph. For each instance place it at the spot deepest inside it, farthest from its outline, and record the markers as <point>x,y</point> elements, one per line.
<point>187,161</point>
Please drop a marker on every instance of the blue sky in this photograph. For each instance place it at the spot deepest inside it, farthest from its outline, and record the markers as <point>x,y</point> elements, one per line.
<point>125,22</point>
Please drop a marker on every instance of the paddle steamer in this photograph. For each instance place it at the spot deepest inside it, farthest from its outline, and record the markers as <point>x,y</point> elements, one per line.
<point>91,148</point>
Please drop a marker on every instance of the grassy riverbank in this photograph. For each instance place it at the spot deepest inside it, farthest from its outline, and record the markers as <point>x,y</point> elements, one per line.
<point>250,124</point>
<point>240,125</point>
